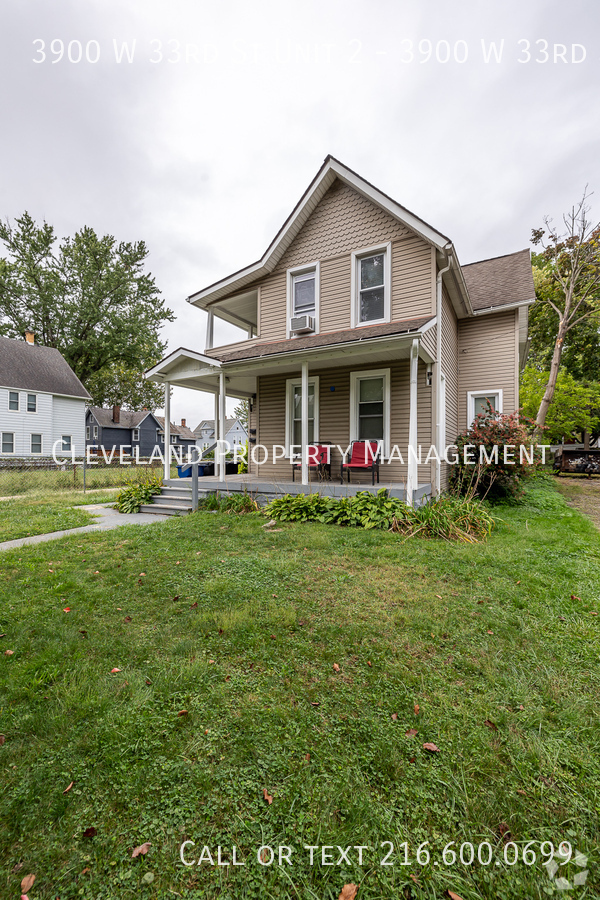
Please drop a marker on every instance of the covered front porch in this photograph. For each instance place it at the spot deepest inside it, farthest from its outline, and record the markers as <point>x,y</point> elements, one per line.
<point>318,395</point>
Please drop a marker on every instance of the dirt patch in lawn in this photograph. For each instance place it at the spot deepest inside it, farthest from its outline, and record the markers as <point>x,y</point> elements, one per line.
<point>583,493</point>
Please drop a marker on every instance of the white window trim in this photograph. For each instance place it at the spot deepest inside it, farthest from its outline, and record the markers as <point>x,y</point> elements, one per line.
<point>357,255</point>
<point>355,378</point>
<point>290,384</point>
<point>135,434</point>
<point>62,440</point>
<point>302,270</point>
<point>32,451</point>
<point>14,443</point>
<point>471,401</point>
<point>95,432</point>
<point>31,412</point>
<point>18,409</point>
<point>87,432</point>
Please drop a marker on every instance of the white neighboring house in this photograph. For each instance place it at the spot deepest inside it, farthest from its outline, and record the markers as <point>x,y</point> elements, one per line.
<point>42,401</point>
<point>235,433</point>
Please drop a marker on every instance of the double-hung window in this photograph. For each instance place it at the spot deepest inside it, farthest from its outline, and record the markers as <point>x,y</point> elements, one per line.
<point>13,401</point>
<point>303,292</point>
<point>477,402</point>
<point>31,403</point>
<point>36,443</point>
<point>8,442</point>
<point>66,443</point>
<point>370,407</point>
<point>293,431</point>
<point>135,434</point>
<point>371,277</point>
<point>95,432</point>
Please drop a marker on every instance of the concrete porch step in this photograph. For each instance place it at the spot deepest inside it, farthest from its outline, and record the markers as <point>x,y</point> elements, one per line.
<point>165,510</point>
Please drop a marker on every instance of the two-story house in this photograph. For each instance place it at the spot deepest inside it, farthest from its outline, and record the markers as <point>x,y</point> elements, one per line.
<point>205,432</point>
<point>42,401</point>
<point>361,325</point>
<point>137,433</point>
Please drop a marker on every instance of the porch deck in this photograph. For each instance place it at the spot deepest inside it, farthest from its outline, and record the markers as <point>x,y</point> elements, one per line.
<point>264,490</point>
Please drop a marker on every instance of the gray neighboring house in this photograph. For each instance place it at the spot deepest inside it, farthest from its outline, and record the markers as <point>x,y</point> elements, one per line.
<point>181,435</point>
<point>235,433</point>
<point>116,427</point>
<point>42,401</point>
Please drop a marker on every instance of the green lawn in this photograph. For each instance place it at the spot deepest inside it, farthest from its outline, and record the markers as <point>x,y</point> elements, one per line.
<point>43,513</point>
<point>294,662</point>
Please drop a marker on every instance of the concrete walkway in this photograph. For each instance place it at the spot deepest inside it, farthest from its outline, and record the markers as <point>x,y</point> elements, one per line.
<point>108,518</point>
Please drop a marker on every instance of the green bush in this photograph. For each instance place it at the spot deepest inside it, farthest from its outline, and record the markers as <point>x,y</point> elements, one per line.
<point>449,517</point>
<point>229,503</point>
<point>496,480</point>
<point>135,494</point>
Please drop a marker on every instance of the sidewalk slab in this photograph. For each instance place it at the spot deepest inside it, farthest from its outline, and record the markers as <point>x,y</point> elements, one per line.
<point>108,518</point>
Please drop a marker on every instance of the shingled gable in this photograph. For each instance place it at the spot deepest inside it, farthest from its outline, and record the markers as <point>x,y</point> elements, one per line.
<point>31,367</point>
<point>127,419</point>
<point>331,170</point>
<point>500,281</point>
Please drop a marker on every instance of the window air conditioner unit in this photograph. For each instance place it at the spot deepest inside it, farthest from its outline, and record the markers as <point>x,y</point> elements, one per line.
<point>302,324</point>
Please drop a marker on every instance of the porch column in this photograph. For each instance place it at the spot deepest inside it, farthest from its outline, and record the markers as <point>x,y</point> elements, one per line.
<point>210,330</point>
<point>167,429</point>
<point>413,472</point>
<point>222,424</point>
<point>304,414</point>
<point>217,416</point>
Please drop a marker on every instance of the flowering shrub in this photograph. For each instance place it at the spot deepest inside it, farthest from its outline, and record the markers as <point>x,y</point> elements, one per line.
<point>490,458</point>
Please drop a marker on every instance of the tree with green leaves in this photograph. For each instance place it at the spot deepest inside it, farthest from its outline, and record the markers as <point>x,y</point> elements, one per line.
<point>575,407</point>
<point>89,297</point>
<point>242,412</point>
<point>568,281</point>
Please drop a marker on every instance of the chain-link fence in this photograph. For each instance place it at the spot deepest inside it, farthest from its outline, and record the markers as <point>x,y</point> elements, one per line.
<point>40,476</point>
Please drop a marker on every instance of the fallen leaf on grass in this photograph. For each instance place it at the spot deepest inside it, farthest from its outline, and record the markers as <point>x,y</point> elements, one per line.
<point>67,609</point>
<point>518,582</point>
<point>141,850</point>
<point>17,868</point>
<point>83,632</point>
<point>452,895</point>
<point>414,878</point>
<point>148,681</point>
<point>67,789</point>
<point>86,870</point>
<point>142,574</point>
<point>431,747</point>
<point>439,596</point>
<point>417,708</point>
<point>175,598</point>
<point>574,597</point>
<point>27,883</point>
<point>411,732</point>
<point>489,724</point>
<point>8,652</point>
<point>394,717</point>
<point>194,605</point>
<point>114,671</point>
<point>349,892</point>
<point>523,793</point>
<point>336,668</point>
<point>90,832</point>
<point>127,619</point>
<point>267,796</point>
<point>490,631</point>
<point>182,712</point>
<point>370,664</point>
<point>307,757</point>
<point>148,878</point>
<point>2,739</point>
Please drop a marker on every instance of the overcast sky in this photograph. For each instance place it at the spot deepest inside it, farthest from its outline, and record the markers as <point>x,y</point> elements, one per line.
<point>205,134</point>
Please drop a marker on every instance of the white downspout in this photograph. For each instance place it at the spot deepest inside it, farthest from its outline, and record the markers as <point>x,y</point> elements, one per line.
<point>438,374</point>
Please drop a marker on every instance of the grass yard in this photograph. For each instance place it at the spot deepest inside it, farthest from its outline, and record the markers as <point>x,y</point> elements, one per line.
<point>43,513</point>
<point>228,684</point>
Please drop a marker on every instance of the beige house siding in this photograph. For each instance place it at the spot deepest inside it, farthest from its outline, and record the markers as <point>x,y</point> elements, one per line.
<point>488,359</point>
<point>342,223</point>
<point>334,415</point>
<point>450,371</point>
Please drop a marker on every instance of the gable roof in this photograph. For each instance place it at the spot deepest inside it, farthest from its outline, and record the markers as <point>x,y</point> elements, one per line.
<point>500,281</point>
<point>210,423</point>
<point>32,367</point>
<point>182,431</point>
<point>327,339</point>
<point>331,170</point>
<point>127,419</point>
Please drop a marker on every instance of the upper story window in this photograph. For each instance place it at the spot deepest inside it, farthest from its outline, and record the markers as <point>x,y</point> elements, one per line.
<point>95,432</point>
<point>87,432</point>
<point>13,401</point>
<point>31,403</point>
<point>303,295</point>
<point>135,434</point>
<point>371,285</point>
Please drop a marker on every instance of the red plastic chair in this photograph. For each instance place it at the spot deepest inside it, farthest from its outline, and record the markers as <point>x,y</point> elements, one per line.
<point>364,456</point>
<point>319,458</point>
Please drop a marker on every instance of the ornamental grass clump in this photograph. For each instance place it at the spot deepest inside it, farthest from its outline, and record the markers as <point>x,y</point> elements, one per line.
<point>494,456</point>
<point>453,518</point>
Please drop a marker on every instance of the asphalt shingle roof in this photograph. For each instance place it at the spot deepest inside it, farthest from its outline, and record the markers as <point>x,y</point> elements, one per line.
<point>127,418</point>
<point>31,367</point>
<point>500,281</point>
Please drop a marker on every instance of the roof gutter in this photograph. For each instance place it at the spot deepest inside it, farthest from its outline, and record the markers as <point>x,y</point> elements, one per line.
<point>502,308</point>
